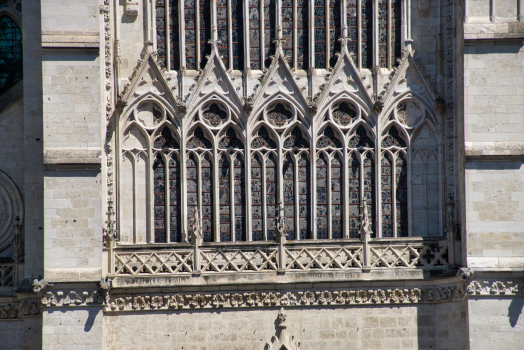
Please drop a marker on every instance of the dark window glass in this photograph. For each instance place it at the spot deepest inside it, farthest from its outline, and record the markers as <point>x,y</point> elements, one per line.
<point>10,53</point>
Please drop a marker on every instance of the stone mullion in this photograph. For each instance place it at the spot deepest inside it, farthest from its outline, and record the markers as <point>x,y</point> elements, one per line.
<point>149,197</point>
<point>264,198</point>
<point>328,37</point>
<point>134,198</point>
<point>394,192</point>
<point>231,196</point>
<point>378,184</point>
<point>311,27</point>
<point>262,37</point>
<point>313,187</point>
<point>247,46</point>
<point>375,35</point>
<point>329,204</point>
<point>184,235</point>
<point>247,165</point>
<point>296,196</point>
<point>278,19</point>
<point>359,33</point>
<point>280,178</point>
<point>229,34</point>
<point>295,35</point>
<point>167,24</point>
<point>389,34</point>
<point>408,185</point>
<point>197,33</point>
<point>182,35</point>
<point>361,158</point>
<point>344,22</point>
<point>345,191</point>
<point>216,194</point>
<point>199,189</point>
<point>117,164</point>
<point>167,202</point>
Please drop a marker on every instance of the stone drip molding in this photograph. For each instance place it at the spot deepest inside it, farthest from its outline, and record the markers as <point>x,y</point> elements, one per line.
<point>491,287</point>
<point>225,300</point>
<point>16,311</point>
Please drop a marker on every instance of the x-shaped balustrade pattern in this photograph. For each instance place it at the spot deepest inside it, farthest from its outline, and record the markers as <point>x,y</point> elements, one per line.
<point>409,256</point>
<point>303,259</point>
<point>153,263</point>
<point>264,257</point>
<point>239,260</point>
<point>7,275</point>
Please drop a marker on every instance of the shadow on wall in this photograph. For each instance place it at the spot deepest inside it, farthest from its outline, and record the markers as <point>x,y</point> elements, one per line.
<point>514,311</point>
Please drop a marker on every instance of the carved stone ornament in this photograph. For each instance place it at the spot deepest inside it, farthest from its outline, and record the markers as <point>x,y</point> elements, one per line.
<point>281,340</point>
<point>423,8</point>
<point>491,287</point>
<point>295,298</point>
<point>11,208</point>
<point>19,310</point>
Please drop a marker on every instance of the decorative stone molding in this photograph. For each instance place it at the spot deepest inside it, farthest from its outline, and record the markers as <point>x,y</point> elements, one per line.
<point>11,208</point>
<point>131,8</point>
<point>281,340</point>
<point>345,298</point>
<point>19,310</point>
<point>55,298</point>
<point>491,287</point>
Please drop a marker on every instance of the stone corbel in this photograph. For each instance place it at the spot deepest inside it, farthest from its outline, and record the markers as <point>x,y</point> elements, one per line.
<point>131,8</point>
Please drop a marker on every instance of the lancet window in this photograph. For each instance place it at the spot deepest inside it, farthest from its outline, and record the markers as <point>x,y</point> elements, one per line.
<point>311,31</point>
<point>10,52</point>
<point>394,172</point>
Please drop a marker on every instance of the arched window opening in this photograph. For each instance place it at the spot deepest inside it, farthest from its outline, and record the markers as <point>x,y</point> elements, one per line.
<point>224,183</point>
<point>366,34</point>
<point>11,68</point>
<point>352,25</point>
<point>270,14</point>
<point>288,170</point>
<point>354,196</point>
<point>240,199</point>
<point>401,195</point>
<point>319,13</point>
<point>257,190</point>
<point>159,182</point>
<point>206,171</point>
<point>387,195</point>
<point>304,197</point>
<point>271,196</point>
<point>230,47</point>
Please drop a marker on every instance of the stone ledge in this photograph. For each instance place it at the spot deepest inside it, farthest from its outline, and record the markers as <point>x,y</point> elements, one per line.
<point>67,39</point>
<point>72,156</point>
<point>83,274</point>
<point>494,149</point>
<point>493,31</point>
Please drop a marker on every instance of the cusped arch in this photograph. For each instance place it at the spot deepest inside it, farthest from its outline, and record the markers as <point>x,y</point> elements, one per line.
<point>332,131</point>
<point>296,136</point>
<point>199,137</point>
<point>11,210</point>
<point>299,111</point>
<point>400,131</point>
<point>170,113</point>
<point>408,96</point>
<point>361,135</point>
<point>135,137</point>
<point>365,111</point>
<point>235,113</point>
<point>166,136</point>
<point>425,136</point>
<point>262,135</point>
<point>226,135</point>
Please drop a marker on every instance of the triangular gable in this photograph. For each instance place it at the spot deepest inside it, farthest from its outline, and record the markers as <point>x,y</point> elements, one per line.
<point>148,76</point>
<point>345,78</point>
<point>279,80</point>
<point>408,78</point>
<point>214,80</point>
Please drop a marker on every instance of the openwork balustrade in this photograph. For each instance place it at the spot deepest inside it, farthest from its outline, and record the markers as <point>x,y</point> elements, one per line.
<point>289,257</point>
<point>8,275</point>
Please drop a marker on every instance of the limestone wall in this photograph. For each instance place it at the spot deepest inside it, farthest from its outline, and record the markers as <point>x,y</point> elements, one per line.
<point>495,214</point>
<point>496,323</point>
<point>406,327</point>
<point>66,329</point>
<point>12,143</point>
<point>22,334</point>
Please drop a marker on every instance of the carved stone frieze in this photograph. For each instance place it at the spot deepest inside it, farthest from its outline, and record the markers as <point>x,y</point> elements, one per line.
<point>491,287</point>
<point>354,297</point>
<point>19,310</point>
<point>54,298</point>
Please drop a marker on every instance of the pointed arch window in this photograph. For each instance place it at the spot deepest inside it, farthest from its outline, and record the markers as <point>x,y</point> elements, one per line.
<point>230,33</point>
<point>394,186</point>
<point>329,185</point>
<point>11,69</point>
<point>296,175</point>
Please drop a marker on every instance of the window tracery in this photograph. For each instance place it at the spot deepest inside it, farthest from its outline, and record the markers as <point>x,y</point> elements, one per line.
<point>11,70</point>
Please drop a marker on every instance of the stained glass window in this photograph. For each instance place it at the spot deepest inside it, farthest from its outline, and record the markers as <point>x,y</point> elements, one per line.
<point>240,198</point>
<point>304,183</point>
<point>361,139</point>
<point>224,185</point>
<point>174,34</point>
<point>206,172</point>
<point>257,228</point>
<point>10,53</point>
<point>214,115</point>
<point>279,115</point>
<point>254,34</point>
<point>354,196</point>
<point>159,177</point>
<point>336,196</point>
<point>328,139</point>
<point>322,197</point>
<point>387,195</point>
<point>230,140</point>
<point>269,29</point>
<point>344,114</point>
<point>383,33</point>
<point>367,33</point>
<point>237,32</point>
<point>190,31</point>
<point>401,195</point>
<point>334,30</point>
<point>198,140</point>
<point>222,31</point>
<point>287,28</point>
<point>192,186</point>
<point>302,34</point>
<point>319,13</point>
<point>161,33</point>
<point>288,170</point>
<point>271,181</point>
<point>296,139</point>
<point>205,31</point>
<point>262,139</point>
<point>393,139</point>
<point>369,188</point>
<point>352,26</point>
<point>175,201</point>
<point>396,23</point>
<point>166,140</point>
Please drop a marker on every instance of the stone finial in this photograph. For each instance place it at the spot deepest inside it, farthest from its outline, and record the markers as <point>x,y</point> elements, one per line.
<point>281,318</point>
<point>281,224</point>
<point>365,223</point>
<point>196,228</point>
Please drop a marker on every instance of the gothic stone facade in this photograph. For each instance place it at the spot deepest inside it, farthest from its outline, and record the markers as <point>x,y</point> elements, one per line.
<point>277,174</point>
